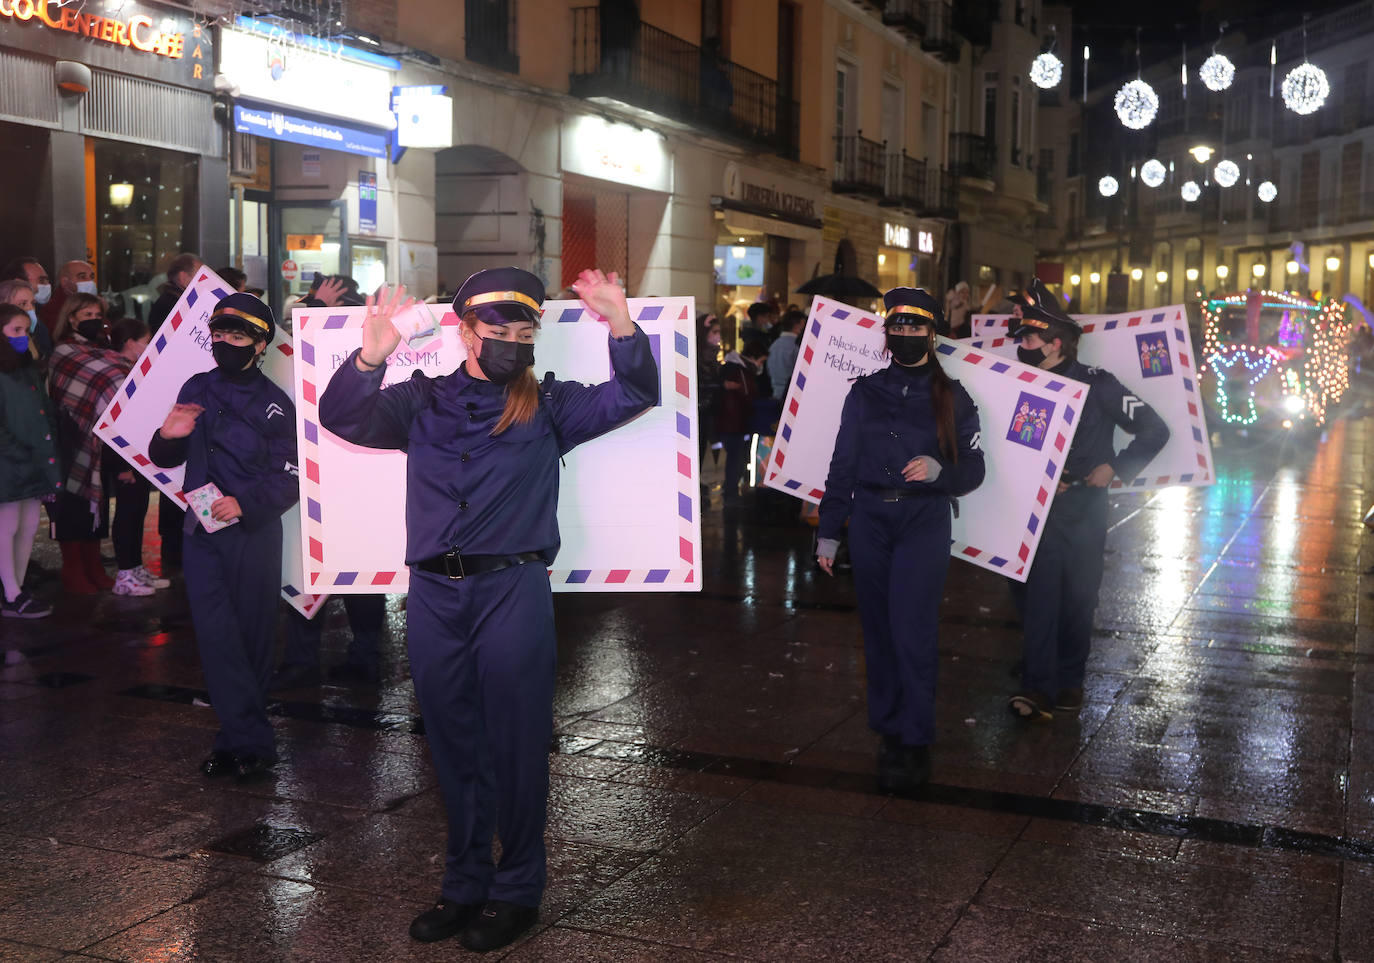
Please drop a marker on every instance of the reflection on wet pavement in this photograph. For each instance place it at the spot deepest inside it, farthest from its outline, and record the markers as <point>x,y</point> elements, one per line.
<point>712,790</point>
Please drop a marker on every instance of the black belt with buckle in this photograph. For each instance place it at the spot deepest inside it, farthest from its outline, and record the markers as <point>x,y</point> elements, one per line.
<point>457,566</point>
<point>895,494</point>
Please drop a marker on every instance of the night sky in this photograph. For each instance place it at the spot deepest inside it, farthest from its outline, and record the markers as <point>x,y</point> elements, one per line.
<point>1110,28</point>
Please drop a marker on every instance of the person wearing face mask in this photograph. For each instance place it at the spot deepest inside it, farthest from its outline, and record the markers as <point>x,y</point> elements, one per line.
<point>483,446</point>
<point>76,277</point>
<point>907,446</point>
<point>20,294</point>
<point>83,376</point>
<point>231,426</point>
<point>28,461</point>
<point>1059,596</point>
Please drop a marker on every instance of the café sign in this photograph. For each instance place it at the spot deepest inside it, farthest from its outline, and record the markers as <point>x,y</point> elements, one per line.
<point>137,32</point>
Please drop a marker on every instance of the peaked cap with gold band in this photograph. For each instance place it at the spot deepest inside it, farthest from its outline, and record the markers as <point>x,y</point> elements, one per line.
<point>246,314</point>
<point>1041,312</point>
<point>501,296</point>
<point>914,306</point>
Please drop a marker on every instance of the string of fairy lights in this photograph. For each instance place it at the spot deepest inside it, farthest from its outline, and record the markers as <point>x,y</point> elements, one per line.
<point>1307,351</point>
<point>1305,89</point>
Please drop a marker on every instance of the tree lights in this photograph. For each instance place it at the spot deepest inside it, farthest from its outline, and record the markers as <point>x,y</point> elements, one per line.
<point>1305,88</point>
<point>1217,72</point>
<point>1046,70</point>
<point>1152,173</point>
<point>1137,104</point>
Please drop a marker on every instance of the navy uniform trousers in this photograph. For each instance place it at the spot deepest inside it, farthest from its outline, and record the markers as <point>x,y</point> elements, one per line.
<point>366,619</point>
<point>1059,597</point>
<point>233,580</point>
<point>483,655</point>
<point>900,553</point>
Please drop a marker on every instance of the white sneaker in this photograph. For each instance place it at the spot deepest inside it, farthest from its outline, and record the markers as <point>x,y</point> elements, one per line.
<point>127,583</point>
<point>149,579</point>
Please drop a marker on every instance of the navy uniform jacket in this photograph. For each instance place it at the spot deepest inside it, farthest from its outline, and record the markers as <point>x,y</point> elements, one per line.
<point>244,441</point>
<point>465,489</point>
<point>889,419</point>
<point>1110,404</point>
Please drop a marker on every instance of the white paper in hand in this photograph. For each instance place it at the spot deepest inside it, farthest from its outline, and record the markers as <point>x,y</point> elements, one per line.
<point>417,325</point>
<point>200,501</point>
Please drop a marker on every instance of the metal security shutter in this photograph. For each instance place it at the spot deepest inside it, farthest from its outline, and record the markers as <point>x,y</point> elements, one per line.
<point>140,112</point>
<point>28,93</point>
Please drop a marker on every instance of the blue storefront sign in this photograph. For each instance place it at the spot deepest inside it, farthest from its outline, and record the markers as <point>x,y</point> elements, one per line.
<point>280,125</point>
<point>367,202</point>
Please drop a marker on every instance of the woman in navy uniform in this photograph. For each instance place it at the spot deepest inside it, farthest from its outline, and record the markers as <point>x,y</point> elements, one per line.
<point>907,445</point>
<point>234,427</point>
<point>481,502</point>
<point>1059,596</point>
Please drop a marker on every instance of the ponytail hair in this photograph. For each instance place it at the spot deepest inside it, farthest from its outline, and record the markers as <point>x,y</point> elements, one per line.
<point>522,394</point>
<point>942,398</point>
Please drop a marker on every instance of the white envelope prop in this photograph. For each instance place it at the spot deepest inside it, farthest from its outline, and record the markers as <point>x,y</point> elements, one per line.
<point>181,348</point>
<point>1151,354</point>
<point>1027,416</point>
<point>628,501</point>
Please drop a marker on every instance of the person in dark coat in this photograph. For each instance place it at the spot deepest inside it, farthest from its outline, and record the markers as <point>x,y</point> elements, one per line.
<point>233,428</point>
<point>736,417</point>
<point>483,445</point>
<point>907,446</point>
<point>1059,597</point>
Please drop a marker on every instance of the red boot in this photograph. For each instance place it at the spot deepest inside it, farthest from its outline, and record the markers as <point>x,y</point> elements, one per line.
<point>74,576</point>
<point>95,568</point>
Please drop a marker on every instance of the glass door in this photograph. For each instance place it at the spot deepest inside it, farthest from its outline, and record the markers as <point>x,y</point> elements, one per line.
<point>309,238</point>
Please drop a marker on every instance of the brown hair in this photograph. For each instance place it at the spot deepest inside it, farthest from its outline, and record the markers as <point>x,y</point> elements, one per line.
<point>10,288</point>
<point>73,304</point>
<point>11,360</point>
<point>942,398</point>
<point>522,394</point>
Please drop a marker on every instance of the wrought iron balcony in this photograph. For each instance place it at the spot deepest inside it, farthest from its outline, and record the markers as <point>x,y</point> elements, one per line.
<point>639,64</point>
<point>490,34</point>
<point>925,190</point>
<point>860,167</point>
<point>940,37</point>
<point>972,155</point>
<point>908,16</point>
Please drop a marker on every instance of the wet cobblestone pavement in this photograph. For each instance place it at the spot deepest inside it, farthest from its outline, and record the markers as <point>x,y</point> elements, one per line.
<point>712,771</point>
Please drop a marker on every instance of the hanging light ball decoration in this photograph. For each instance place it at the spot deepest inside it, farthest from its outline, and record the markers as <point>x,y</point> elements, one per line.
<point>1267,192</point>
<point>1107,186</point>
<point>1227,173</point>
<point>1046,70</point>
<point>1152,173</point>
<point>1305,88</point>
<point>1217,72</point>
<point>1137,103</point>
<point>1190,191</point>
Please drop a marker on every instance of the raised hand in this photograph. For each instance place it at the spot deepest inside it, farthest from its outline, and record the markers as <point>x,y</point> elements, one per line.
<point>603,297</point>
<point>180,421</point>
<point>331,291</point>
<point>380,336</point>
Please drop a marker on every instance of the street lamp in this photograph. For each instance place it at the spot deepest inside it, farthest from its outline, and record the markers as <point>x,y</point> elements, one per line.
<point>1191,274</point>
<point>1201,153</point>
<point>1291,267</point>
<point>1222,271</point>
<point>1075,280</point>
<point>1161,276</point>
<point>1094,277</point>
<point>1257,270</point>
<point>1333,263</point>
<point>1371,260</point>
<point>1137,274</point>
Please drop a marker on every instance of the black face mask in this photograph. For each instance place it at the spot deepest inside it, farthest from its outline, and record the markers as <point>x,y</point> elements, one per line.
<point>908,349</point>
<point>92,329</point>
<point>503,361</point>
<point>1030,356</point>
<point>231,358</point>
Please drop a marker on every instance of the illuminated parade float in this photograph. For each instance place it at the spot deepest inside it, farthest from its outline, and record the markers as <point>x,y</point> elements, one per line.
<point>1274,358</point>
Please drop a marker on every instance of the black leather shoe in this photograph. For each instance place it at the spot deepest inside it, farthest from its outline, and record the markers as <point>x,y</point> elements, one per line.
<point>1068,700</point>
<point>298,676</point>
<point>218,763</point>
<point>443,920</point>
<point>250,768</point>
<point>907,770</point>
<point>497,925</point>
